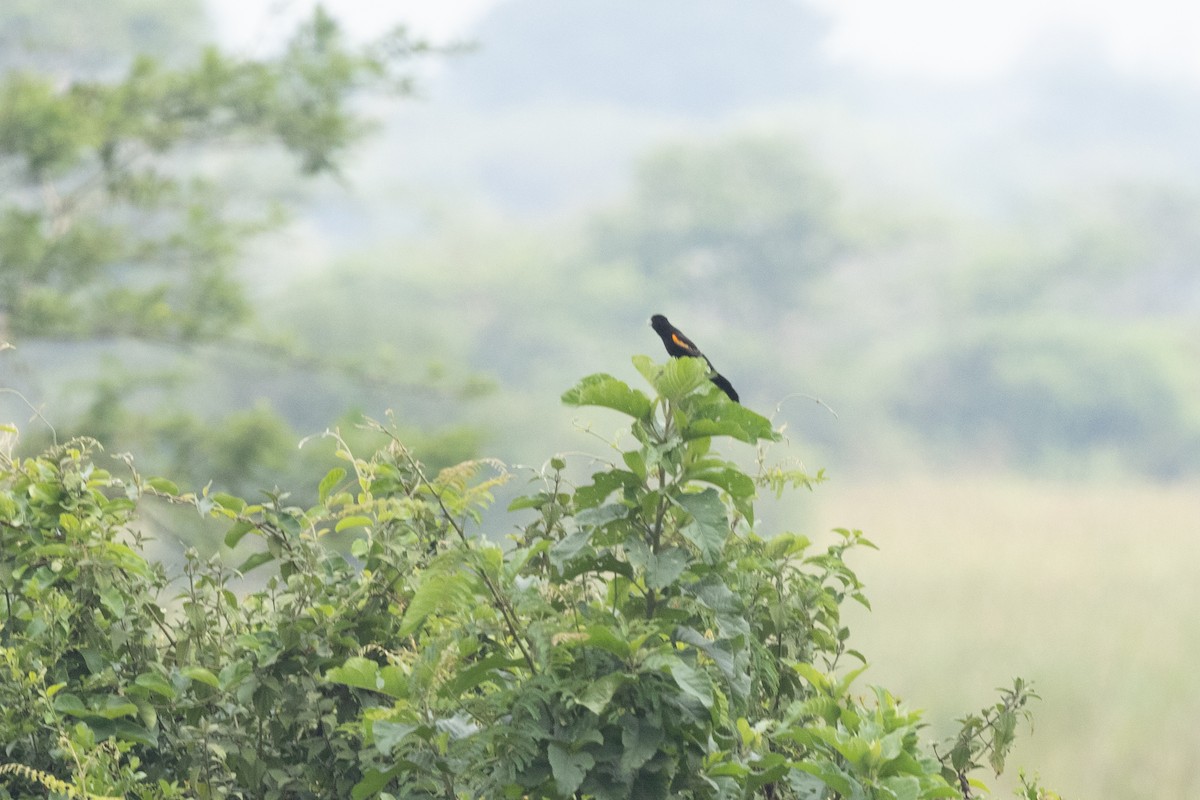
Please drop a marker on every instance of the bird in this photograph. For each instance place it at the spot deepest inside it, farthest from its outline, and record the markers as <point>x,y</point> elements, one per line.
<point>679,345</point>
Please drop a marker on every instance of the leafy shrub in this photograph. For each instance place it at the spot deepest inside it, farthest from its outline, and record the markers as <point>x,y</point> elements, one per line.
<point>638,636</point>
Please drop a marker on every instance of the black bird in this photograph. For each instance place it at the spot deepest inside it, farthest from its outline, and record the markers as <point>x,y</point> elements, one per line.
<point>679,345</point>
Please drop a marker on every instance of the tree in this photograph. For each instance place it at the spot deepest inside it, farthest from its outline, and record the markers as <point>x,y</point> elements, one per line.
<point>125,222</point>
<point>113,227</point>
<point>750,218</point>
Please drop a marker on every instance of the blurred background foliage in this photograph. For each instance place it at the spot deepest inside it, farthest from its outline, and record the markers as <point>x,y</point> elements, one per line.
<point>207,255</point>
<point>199,246</point>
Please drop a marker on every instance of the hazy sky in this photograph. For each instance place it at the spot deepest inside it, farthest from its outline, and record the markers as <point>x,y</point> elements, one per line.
<point>947,40</point>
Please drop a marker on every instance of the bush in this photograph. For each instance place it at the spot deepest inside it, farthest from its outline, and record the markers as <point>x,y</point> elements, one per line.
<point>638,636</point>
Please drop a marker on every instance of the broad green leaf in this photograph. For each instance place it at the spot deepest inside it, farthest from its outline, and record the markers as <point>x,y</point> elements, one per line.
<point>530,501</point>
<point>569,768</point>
<point>459,727</point>
<point>608,392</point>
<point>521,556</point>
<point>67,703</point>
<point>163,486</point>
<point>373,782</point>
<point>808,786</point>
<point>111,598</point>
<point>648,367</point>
<point>713,416</point>
<point>736,673</point>
<point>570,547</point>
<point>604,484</point>
<point>200,675</point>
<point>116,706</point>
<point>664,569</point>
<point>832,777</point>
<point>255,561</point>
<point>692,681</point>
<point>438,591</point>
<point>737,484</point>
<point>675,379</point>
<point>599,694</point>
<point>152,682</point>
<point>327,484</point>
<point>682,376</point>
<point>640,738</point>
<point>388,734</point>
<point>636,463</point>
<point>124,729</point>
<point>478,673</point>
<point>363,673</point>
<point>606,639</point>
<point>709,526</point>
<point>355,521</point>
<point>817,679</point>
<point>236,532</point>
<point>600,516</point>
<point>229,502</point>
<point>724,476</point>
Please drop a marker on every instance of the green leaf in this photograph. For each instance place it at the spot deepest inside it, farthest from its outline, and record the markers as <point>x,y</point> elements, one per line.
<point>354,521</point>
<point>124,729</point>
<point>664,569</point>
<point>478,673</point>
<point>675,379</point>
<point>327,484</point>
<point>598,694</point>
<point>255,561</point>
<point>373,782</point>
<point>112,599</point>
<point>606,639</point>
<point>163,486</point>
<point>67,703</point>
<point>530,501</point>
<point>388,735</point>
<point>713,417</point>
<point>709,526</point>
<point>438,591</point>
<point>604,484</point>
<point>681,376</point>
<point>648,367</point>
<point>737,484</point>
<point>116,706</point>
<point>236,532</point>
<point>200,675</point>
<point>608,392</point>
<point>569,768</point>
<point>692,681</point>
<point>817,679</point>
<point>640,738</point>
<point>229,502</point>
<point>153,682</point>
<point>363,673</point>
<point>570,547</point>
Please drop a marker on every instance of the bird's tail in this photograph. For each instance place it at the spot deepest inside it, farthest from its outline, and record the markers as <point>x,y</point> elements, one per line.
<point>724,386</point>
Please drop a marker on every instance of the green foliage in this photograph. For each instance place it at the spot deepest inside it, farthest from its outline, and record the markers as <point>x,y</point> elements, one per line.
<point>125,219</point>
<point>111,230</point>
<point>638,636</point>
<point>751,217</point>
<point>1049,391</point>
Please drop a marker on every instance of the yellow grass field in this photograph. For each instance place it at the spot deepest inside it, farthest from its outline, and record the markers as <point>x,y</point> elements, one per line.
<point>1090,591</point>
